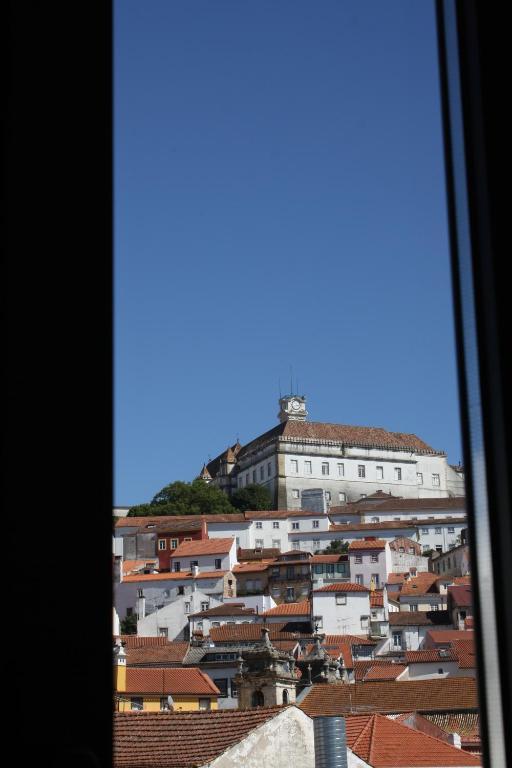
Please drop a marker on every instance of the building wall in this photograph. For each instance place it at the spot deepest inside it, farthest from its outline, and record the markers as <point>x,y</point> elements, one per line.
<point>164,555</point>
<point>174,616</point>
<point>152,703</point>
<point>206,562</point>
<point>428,671</point>
<point>285,739</point>
<point>366,568</point>
<point>341,619</point>
<point>432,534</point>
<point>241,531</point>
<point>162,592</point>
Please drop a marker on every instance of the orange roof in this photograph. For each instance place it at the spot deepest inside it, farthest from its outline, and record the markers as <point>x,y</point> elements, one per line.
<point>363,666</point>
<point>367,544</point>
<point>342,587</point>
<point>429,655</point>
<point>328,558</point>
<point>420,584</point>
<point>379,672</point>
<point>376,599</point>
<point>180,740</point>
<point>169,680</point>
<point>173,576</point>
<point>290,609</point>
<point>170,653</point>
<point>448,635</point>
<point>341,645</point>
<point>141,641</point>
<point>462,580</point>
<point>205,547</point>
<point>384,743</point>
<point>384,526</point>
<point>461,595</point>
<point>438,694</point>
<point>254,567</point>
<point>132,566</point>
<point>234,633</point>
<point>466,653</point>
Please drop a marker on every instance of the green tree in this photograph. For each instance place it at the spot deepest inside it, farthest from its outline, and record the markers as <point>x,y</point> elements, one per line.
<point>180,498</point>
<point>252,497</point>
<point>129,625</point>
<point>336,547</point>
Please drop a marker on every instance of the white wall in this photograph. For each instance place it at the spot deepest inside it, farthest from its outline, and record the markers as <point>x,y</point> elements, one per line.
<point>341,619</point>
<point>428,671</point>
<point>174,616</point>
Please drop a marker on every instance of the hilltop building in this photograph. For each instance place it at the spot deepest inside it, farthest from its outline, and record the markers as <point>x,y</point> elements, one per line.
<point>346,463</point>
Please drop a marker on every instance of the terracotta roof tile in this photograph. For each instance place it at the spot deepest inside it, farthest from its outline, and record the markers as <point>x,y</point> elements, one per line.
<point>464,723</point>
<point>384,743</point>
<point>170,653</point>
<point>361,666</point>
<point>376,437</point>
<point>173,576</point>
<point>420,584</point>
<point>376,599</point>
<point>227,609</point>
<point>205,547</point>
<point>461,595</point>
<point>181,740</point>
<point>429,655</point>
<point>232,633</point>
<point>265,553</point>
<point>328,559</point>
<point>141,641</point>
<point>342,587</point>
<point>442,637</point>
<point>441,694</point>
<point>384,526</point>
<point>290,609</point>
<point>419,618</point>
<point>279,514</point>
<point>402,505</point>
<point>256,567</point>
<point>135,566</point>
<point>169,680</point>
<point>366,544</point>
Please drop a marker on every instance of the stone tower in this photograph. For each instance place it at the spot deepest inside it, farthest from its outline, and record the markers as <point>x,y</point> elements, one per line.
<point>317,666</point>
<point>266,677</point>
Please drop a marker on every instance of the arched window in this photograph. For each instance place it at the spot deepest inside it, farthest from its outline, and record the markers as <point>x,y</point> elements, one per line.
<point>286,697</point>
<point>258,699</point>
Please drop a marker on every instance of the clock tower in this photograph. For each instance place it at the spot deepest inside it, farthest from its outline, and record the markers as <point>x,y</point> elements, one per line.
<point>292,408</point>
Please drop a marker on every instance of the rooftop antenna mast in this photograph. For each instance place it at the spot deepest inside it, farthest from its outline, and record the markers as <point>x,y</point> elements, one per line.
<point>291,380</point>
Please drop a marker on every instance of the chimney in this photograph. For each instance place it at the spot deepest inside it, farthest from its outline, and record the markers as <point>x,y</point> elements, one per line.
<point>119,667</point>
<point>141,604</point>
<point>118,569</point>
<point>330,742</point>
<point>195,571</point>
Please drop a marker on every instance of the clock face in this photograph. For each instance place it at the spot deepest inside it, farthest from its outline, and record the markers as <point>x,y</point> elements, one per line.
<point>295,405</point>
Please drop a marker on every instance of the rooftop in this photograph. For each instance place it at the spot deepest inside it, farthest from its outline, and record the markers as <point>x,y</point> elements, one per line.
<point>419,619</point>
<point>205,547</point>
<point>226,609</point>
<point>290,609</point>
<point>181,740</point>
<point>342,587</point>
<point>169,680</point>
<point>367,543</point>
<point>168,653</point>
<point>442,694</point>
<point>173,576</point>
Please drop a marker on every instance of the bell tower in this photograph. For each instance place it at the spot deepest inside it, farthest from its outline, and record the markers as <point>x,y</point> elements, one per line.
<point>266,677</point>
<point>292,408</point>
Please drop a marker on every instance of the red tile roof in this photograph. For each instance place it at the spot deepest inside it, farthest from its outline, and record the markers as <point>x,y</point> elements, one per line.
<point>421,584</point>
<point>226,609</point>
<point>376,599</point>
<point>233,633</point>
<point>279,514</point>
<point>328,559</point>
<point>384,526</point>
<point>419,619</point>
<point>341,645</point>
<point>467,724</point>
<point>435,637</point>
<point>380,672</point>
<point>466,653</point>
<point>205,547</point>
<point>428,656</point>
<point>462,580</point>
<point>173,576</point>
<point>134,566</point>
<point>406,543</point>
<point>169,680</point>
<point>290,609</point>
<point>361,667</point>
<point>181,740</point>
<point>461,595</point>
<point>384,743</point>
<point>342,587</point>
<point>256,567</point>
<point>141,641</point>
<point>439,694</point>
<point>265,553</point>
<point>366,544</point>
<point>402,505</point>
<point>170,653</point>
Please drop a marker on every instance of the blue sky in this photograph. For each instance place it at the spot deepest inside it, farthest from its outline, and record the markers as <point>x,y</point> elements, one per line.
<point>279,201</point>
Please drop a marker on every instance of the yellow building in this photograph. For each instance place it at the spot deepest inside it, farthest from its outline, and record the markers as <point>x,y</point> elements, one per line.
<point>158,688</point>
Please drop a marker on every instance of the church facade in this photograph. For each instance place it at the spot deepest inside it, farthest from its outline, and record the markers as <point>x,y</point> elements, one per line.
<point>346,462</point>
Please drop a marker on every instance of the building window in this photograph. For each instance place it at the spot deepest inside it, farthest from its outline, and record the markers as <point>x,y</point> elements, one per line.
<point>194,564</point>
<point>163,632</point>
<point>451,530</point>
<point>136,702</point>
<point>374,558</point>
<point>295,465</point>
<point>290,593</point>
<point>174,543</point>
<point>254,475</point>
<point>398,473</point>
<point>218,563</point>
<point>425,530</point>
<point>318,622</point>
<point>247,478</point>
<point>181,590</point>
<point>222,685</point>
<point>365,622</point>
<point>275,571</point>
<point>412,571</point>
<point>327,495</point>
<point>341,470</point>
<point>401,549</point>
<point>359,559</point>
<point>434,607</point>
<point>259,524</point>
<point>380,473</point>
<point>316,523</point>
<point>164,703</point>
<point>440,671</point>
<point>259,543</point>
<point>308,468</point>
<point>438,530</point>
<point>262,473</point>
<point>375,577</point>
<point>341,599</point>
<point>187,607</point>
<point>234,689</point>
<point>177,566</point>
<point>204,705</point>
<point>295,493</point>
<point>361,471</point>
<point>375,519</point>
<point>413,608</point>
<point>269,469</point>
<point>439,548</point>
<point>435,480</point>
<point>276,543</point>
<point>342,496</point>
<point>359,578</point>
<point>316,544</point>
<point>325,467</point>
<point>162,544</point>
<point>187,538</point>
<point>275,524</point>
<point>419,478</point>
<point>295,526</point>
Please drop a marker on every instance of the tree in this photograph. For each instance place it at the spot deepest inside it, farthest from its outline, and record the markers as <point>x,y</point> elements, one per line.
<point>129,625</point>
<point>336,547</point>
<point>180,498</point>
<point>255,497</point>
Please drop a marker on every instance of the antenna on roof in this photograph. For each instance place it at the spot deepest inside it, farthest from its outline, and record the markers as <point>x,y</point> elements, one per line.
<point>291,380</point>
<point>279,383</point>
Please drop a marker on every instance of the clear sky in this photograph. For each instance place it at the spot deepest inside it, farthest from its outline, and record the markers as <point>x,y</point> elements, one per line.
<point>279,201</point>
